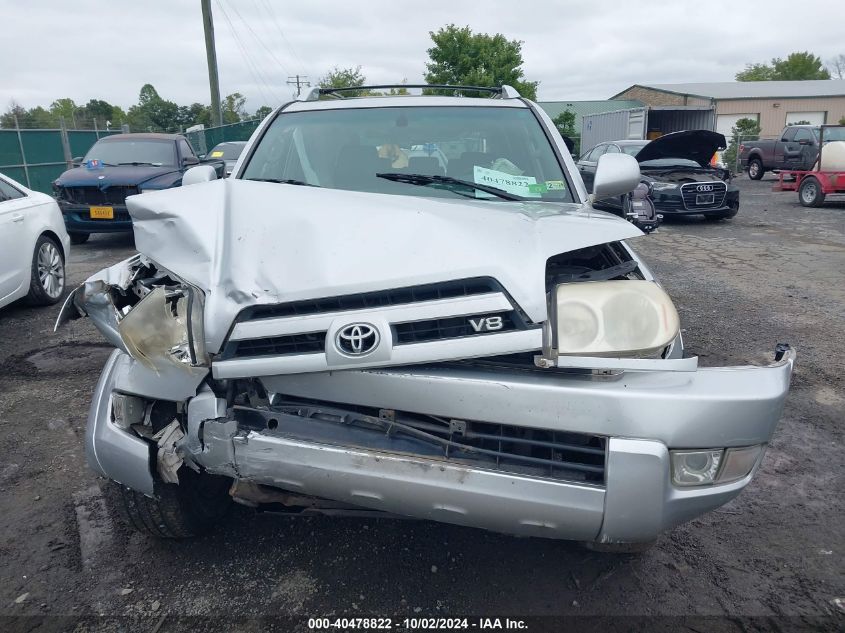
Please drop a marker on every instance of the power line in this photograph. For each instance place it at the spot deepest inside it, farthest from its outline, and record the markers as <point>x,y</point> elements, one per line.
<point>252,66</point>
<point>259,40</point>
<point>268,7</point>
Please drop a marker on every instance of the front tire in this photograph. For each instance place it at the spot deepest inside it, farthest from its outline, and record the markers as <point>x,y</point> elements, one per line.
<point>79,238</point>
<point>47,273</point>
<point>755,169</point>
<point>810,192</point>
<point>185,510</point>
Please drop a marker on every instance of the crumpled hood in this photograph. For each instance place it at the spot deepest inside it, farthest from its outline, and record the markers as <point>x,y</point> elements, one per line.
<point>697,145</point>
<point>125,175</point>
<point>246,243</point>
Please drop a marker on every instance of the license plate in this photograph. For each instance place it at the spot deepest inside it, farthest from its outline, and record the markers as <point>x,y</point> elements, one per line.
<point>705,198</point>
<point>104,213</point>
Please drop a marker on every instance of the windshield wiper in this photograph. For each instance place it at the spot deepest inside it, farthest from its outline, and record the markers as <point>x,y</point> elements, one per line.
<point>141,162</point>
<point>284,181</point>
<point>449,182</point>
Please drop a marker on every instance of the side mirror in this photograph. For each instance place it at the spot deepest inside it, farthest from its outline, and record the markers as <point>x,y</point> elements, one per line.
<point>190,160</point>
<point>76,161</point>
<point>615,174</point>
<point>200,173</point>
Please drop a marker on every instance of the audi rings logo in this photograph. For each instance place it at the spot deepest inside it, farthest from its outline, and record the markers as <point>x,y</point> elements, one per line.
<point>357,339</point>
<point>703,188</point>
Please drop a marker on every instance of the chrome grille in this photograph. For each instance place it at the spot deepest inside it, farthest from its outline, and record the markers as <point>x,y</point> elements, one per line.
<point>378,299</point>
<point>96,196</point>
<point>450,327</point>
<point>690,192</point>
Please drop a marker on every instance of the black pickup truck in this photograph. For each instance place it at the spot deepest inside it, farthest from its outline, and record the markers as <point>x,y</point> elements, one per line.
<point>92,195</point>
<point>797,148</point>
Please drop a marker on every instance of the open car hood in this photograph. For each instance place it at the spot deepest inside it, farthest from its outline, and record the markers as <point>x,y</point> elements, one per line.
<point>695,145</point>
<point>248,243</point>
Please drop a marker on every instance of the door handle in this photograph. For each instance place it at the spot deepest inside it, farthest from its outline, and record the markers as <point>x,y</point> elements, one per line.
<point>17,217</point>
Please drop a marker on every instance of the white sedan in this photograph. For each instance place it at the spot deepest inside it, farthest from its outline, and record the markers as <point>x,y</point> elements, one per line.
<point>34,245</point>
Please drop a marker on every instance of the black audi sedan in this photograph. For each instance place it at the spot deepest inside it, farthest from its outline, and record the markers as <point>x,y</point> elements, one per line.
<point>676,167</point>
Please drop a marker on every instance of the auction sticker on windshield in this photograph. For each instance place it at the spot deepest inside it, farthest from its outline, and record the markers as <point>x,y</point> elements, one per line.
<point>519,185</point>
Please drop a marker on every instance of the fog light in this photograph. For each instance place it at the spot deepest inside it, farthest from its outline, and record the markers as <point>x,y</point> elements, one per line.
<point>695,468</point>
<point>739,462</point>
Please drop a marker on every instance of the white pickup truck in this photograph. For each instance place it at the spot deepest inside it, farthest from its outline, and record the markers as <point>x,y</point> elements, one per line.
<point>347,323</point>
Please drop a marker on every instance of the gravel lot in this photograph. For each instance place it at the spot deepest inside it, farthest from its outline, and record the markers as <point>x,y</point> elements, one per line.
<point>774,273</point>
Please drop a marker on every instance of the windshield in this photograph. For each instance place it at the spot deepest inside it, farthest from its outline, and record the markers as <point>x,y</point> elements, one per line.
<point>129,152</point>
<point>832,134</point>
<point>346,149</point>
<point>632,150</point>
<point>227,151</point>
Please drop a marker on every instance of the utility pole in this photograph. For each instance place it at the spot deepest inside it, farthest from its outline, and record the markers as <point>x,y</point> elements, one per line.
<point>211,55</point>
<point>299,80</point>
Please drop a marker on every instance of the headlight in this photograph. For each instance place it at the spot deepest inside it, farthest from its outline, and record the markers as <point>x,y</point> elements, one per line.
<point>613,317</point>
<point>713,466</point>
<point>663,186</point>
<point>165,328</point>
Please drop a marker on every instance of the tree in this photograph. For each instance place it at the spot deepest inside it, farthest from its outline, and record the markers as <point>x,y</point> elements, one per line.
<point>837,66</point>
<point>152,113</point>
<point>344,78</point>
<point>262,112</point>
<point>755,72</point>
<point>15,111</point>
<point>65,109</point>
<point>233,108</point>
<point>565,124</point>
<point>744,130</point>
<point>462,57</point>
<point>842,121</point>
<point>798,66</point>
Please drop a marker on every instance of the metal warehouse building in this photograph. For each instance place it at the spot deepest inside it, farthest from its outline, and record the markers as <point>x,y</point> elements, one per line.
<point>774,104</point>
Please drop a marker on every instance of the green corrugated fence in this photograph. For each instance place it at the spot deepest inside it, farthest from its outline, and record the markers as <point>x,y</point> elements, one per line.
<point>36,158</point>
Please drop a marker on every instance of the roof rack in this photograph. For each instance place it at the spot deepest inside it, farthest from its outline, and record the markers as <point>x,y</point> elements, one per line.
<point>503,92</point>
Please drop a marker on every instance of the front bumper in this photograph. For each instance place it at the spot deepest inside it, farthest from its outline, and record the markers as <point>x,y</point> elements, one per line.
<point>643,414</point>
<point>78,219</point>
<point>672,203</point>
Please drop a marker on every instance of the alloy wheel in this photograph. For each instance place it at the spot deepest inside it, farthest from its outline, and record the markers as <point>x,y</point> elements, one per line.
<point>51,270</point>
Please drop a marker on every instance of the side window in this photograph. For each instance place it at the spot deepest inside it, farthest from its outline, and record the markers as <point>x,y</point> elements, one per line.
<point>788,135</point>
<point>612,149</point>
<point>8,192</point>
<point>803,135</point>
<point>598,151</point>
<point>185,148</point>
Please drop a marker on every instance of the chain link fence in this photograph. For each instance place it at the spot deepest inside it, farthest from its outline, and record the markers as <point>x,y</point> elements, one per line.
<point>204,140</point>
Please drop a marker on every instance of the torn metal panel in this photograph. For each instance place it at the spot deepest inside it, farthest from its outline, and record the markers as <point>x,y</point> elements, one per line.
<point>168,460</point>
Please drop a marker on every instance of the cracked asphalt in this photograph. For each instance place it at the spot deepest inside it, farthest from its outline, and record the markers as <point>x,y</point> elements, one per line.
<point>775,273</point>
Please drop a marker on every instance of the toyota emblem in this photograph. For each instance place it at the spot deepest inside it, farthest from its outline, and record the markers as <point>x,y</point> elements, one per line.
<point>357,339</point>
<point>704,188</point>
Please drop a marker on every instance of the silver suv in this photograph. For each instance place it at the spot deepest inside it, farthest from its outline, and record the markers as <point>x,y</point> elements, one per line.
<point>407,305</point>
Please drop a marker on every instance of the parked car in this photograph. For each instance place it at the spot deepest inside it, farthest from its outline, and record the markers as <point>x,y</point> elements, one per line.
<point>34,245</point>
<point>362,337</point>
<point>796,149</point>
<point>229,152</point>
<point>676,168</point>
<point>93,195</point>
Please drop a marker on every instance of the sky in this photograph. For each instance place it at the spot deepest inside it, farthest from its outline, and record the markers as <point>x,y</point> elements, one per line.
<point>589,49</point>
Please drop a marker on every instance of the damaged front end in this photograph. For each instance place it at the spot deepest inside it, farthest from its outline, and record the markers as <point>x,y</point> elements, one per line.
<point>584,425</point>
